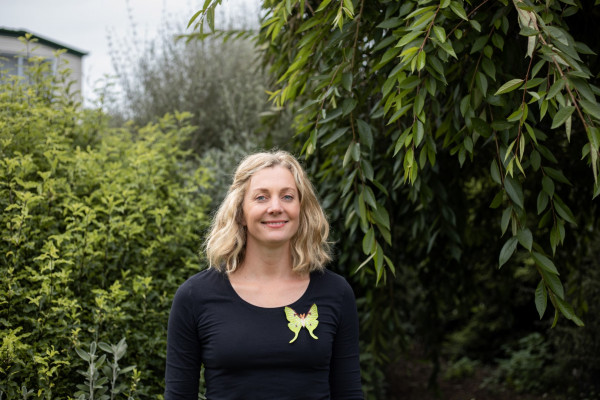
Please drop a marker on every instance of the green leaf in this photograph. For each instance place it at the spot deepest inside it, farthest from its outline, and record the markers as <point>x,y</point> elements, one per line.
<point>584,89</point>
<point>403,110</point>
<point>555,174</point>
<point>379,257</point>
<point>497,201</point>
<point>83,354</point>
<point>381,216</point>
<point>348,105</point>
<point>479,44</point>
<point>525,238</point>
<point>593,135</point>
<point>563,210</point>
<point>561,116</point>
<point>544,262</point>
<point>555,88</point>
<point>447,47</point>
<point>475,24</point>
<point>105,347</point>
<point>368,242</point>
<point>481,127</point>
<point>408,38</point>
<point>421,58</point>
<point>506,214</point>
<point>532,135</point>
<point>418,132</point>
<point>367,169</point>
<point>348,155</point>
<point>556,315</point>
<point>391,23</point>
<point>347,81</point>
<point>338,133</point>
<point>509,86</point>
<point>439,33</point>
<point>365,262</point>
<point>548,185</point>
<point>361,208</point>
<point>349,6</point>
<point>536,160</point>
<point>557,33</point>
<point>365,133</point>
<point>489,68</point>
<point>369,197</point>
<point>356,151</point>
<point>567,310</point>
<point>591,108</point>
<point>514,191</point>
<point>389,54</point>
<point>458,9</point>
<point>495,172</point>
<point>541,298</point>
<point>498,41</point>
<point>323,4</point>
<point>481,82</point>
<point>553,283</point>
<point>507,251</point>
<point>384,44</point>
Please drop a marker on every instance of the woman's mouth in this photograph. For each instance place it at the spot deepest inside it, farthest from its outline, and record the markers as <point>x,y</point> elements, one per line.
<point>274,224</point>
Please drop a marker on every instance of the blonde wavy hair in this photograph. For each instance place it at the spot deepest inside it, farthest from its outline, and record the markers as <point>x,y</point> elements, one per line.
<point>226,243</point>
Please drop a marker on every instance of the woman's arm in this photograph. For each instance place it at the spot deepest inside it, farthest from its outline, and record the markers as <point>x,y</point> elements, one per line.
<point>183,348</point>
<point>344,376</point>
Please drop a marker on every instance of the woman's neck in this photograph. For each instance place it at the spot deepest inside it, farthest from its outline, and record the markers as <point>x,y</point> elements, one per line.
<point>266,262</point>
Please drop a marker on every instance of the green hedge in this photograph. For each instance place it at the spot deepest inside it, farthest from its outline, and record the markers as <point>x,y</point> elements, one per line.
<point>99,226</point>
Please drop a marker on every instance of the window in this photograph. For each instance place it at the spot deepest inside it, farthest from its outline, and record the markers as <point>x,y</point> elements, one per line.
<point>16,64</point>
<point>11,64</point>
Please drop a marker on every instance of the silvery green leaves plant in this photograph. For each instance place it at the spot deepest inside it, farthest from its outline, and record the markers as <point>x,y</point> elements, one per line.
<point>102,374</point>
<point>388,94</point>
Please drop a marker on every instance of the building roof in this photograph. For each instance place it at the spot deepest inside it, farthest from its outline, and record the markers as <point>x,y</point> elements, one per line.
<point>42,40</point>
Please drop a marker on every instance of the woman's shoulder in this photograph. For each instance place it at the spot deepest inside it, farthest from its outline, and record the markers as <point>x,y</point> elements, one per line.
<point>331,280</point>
<point>202,283</point>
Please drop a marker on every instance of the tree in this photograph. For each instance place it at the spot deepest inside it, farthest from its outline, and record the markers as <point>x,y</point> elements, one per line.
<point>219,82</point>
<point>452,136</point>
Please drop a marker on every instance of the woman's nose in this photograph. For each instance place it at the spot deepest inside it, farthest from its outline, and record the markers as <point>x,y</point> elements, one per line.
<point>275,206</point>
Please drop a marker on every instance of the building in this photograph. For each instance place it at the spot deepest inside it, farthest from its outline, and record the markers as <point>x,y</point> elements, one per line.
<point>14,54</point>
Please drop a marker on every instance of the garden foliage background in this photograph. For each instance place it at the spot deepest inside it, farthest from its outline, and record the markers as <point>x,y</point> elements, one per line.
<point>445,143</point>
<point>99,227</point>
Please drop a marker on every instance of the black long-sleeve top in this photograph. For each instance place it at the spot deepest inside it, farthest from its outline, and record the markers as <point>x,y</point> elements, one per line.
<point>245,349</point>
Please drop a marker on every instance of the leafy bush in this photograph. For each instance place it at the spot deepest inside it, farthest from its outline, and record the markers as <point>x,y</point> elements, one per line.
<point>99,227</point>
<point>525,363</point>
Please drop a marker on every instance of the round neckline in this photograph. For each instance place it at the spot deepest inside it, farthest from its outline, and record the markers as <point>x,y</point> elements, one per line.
<point>255,306</point>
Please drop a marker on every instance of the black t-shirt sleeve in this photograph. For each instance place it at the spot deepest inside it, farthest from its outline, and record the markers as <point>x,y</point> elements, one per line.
<point>344,376</point>
<point>183,348</point>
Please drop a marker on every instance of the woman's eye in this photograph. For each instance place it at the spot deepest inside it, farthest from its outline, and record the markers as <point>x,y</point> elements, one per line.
<point>261,198</point>
<point>288,197</point>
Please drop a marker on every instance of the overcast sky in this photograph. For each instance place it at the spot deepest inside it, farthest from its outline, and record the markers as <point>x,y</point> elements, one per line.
<point>86,24</point>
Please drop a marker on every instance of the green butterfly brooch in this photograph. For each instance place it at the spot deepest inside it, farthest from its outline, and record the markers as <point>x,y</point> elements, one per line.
<point>297,321</point>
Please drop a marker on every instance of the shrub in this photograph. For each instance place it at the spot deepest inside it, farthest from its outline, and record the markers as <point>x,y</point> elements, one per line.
<point>525,363</point>
<point>99,227</point>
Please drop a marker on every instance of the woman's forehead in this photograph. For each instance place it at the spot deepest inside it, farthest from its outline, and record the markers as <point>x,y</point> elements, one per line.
<point>276,177</point>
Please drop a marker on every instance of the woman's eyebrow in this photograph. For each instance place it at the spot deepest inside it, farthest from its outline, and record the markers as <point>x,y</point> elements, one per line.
<point>283,189</point>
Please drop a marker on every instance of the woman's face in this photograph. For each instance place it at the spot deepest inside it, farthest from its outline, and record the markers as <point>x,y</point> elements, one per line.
<point>271,207</point>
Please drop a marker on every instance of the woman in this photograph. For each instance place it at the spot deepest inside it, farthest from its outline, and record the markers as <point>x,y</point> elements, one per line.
<point>266,320</point>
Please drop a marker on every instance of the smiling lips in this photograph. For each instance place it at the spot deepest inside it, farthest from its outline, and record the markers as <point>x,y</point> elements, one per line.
<point>275,224</point>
